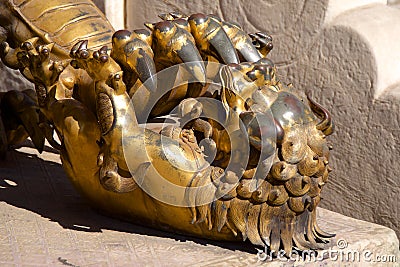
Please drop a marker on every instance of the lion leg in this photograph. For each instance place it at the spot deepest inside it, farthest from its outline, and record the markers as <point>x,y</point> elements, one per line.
<point>20,116</point>
<point>79,134</point>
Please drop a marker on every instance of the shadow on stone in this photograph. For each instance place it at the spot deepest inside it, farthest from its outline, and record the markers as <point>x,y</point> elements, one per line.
<point>40,186</point>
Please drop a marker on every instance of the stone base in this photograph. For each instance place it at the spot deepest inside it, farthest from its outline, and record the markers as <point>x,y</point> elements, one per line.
<point>44,222</point>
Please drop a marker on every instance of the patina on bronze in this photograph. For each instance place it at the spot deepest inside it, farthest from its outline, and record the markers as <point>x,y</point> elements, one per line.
<point>85,76</point>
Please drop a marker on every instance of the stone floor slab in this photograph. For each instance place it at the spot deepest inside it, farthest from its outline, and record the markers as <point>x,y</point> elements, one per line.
<point>44,222</point>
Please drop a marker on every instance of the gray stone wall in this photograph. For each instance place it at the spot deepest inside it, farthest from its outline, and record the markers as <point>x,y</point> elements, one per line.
<point>100,4</point>
<point>12,80</point>
<point>393,2</point>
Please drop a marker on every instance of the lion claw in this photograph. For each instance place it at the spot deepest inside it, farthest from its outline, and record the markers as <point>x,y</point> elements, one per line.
<point>262,41</point>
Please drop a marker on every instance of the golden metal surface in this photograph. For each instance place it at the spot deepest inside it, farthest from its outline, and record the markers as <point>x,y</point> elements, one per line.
<point>247,159</point>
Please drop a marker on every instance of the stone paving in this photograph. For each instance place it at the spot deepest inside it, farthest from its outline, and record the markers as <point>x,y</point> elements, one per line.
<point>44,222</point>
